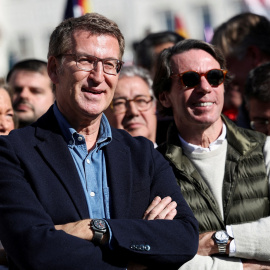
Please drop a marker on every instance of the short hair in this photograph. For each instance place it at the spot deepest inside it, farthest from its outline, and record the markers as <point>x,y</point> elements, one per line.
<point>33,65</point>
<point>135,71</point>
<point>242,31</point>
<point>144,50</point>
<point>258,84</point>
<point>162,80</point>
<point>61,38</point>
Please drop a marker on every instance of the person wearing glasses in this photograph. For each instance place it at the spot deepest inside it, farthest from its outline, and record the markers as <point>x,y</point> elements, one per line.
<point>133,107</point>
<point>223,170</point>
<point>76,193</point>
<point>257,97</point>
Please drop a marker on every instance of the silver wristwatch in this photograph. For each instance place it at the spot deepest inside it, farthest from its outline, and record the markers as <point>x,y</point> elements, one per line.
<point>221,238</point>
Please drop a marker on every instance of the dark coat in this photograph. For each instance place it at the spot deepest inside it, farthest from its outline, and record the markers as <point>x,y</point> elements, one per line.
<point>40,188</point>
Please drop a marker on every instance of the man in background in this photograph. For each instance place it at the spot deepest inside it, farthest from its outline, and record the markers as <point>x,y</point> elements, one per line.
<point>245,42</point>
<point>32,90</point>
<point>146,53</point>
<point>257,97</point>
<point>133,107</point>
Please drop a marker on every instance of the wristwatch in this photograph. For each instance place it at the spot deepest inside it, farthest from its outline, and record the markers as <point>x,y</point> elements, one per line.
<point>221,238</point>
<point>99,226</point>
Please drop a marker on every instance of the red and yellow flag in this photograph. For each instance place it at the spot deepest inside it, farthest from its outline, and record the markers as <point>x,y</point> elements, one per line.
<point>76,8</point>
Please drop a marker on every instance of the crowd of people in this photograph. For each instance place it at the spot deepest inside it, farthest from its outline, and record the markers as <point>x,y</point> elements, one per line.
<point>162,164</point>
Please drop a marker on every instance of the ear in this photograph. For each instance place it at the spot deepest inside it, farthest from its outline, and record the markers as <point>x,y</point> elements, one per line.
<point>52,68</point>
<point>255,55</point>
<point>165,100</point>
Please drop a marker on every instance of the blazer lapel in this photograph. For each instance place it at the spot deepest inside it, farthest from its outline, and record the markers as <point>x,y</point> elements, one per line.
<point>118,165</point>
<point>54,149</point>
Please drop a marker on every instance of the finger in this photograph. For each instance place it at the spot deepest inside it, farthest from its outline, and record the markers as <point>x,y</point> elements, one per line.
<point>167,211</point>
<point>171,215</point>
<point>154,203</point>
<point>157,210</point>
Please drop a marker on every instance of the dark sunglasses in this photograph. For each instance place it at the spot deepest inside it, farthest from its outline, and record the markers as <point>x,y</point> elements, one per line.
<point>191,78</point>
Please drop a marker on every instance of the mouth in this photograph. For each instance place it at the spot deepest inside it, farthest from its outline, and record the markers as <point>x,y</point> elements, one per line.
<point>22,107</point>
<point>93,91</point>
<point>203,104</point>
<point>131,126</point>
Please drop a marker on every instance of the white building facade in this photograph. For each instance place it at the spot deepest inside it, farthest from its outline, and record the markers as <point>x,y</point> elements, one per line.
<point>26,25</point>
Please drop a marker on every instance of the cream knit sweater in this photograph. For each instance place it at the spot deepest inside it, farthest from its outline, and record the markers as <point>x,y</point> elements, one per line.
<point>252,239</point>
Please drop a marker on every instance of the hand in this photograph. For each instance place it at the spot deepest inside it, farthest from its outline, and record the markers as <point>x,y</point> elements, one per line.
<point>207,245</point>
<point>254,265</point>
<point>79,229</point>
<point>161,209</point>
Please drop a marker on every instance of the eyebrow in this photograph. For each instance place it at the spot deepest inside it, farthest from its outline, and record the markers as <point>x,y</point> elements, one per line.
<point>89,55</point>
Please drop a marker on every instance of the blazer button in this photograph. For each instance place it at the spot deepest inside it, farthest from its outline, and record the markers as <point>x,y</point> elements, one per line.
<point>147,248</point>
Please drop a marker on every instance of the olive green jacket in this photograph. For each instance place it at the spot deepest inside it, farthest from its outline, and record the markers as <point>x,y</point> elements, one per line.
<point>245,185</point>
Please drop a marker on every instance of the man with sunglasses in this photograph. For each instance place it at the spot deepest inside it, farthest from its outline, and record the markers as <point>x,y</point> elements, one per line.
<point>133,107</point>
<point>74,192</point>
<point>223,170</point>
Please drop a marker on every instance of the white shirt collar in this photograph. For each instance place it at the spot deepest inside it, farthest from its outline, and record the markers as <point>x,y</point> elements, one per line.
<point>189,147</point>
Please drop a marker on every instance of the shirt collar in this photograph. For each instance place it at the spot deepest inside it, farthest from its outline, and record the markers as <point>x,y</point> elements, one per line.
<point>69,133</point>
<point>189,147</point>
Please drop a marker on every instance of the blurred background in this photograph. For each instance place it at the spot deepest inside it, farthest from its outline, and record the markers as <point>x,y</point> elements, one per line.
<point>26,25</point>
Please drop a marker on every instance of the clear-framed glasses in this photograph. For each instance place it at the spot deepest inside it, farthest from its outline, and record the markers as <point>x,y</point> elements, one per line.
<point>192,78</point>
<point>260,125</point>
<point>111,66</point>
<point>142,103</point>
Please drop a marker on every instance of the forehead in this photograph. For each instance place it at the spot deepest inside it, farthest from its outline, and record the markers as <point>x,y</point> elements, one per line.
<point>25,77</point>
<point>102,46</point>
<point>195,59</point>
<point>4,97</point>
<point>131,86</point>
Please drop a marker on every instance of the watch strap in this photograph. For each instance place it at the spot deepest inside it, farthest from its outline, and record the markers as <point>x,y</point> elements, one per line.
<point>97,237</point>
<point>222,248</point>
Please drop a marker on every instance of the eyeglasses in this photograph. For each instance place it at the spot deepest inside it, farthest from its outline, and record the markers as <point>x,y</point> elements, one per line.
<point>89,62</point>
<point>259,125</point>
<point>142,103</point>
<point>191,78</point>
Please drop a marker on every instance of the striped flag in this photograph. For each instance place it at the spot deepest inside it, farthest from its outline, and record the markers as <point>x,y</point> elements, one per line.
<point>179,27</point>
<point>76,8</point>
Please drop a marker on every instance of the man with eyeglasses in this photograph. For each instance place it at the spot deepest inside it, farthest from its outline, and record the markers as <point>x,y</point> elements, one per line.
<point>133,107</point>
<point>223,170</point>
<point>78,194</point>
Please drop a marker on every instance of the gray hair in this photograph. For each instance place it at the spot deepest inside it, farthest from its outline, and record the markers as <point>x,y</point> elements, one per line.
<point>133,71</point>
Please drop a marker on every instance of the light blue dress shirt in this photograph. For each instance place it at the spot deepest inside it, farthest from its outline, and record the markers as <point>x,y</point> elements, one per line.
<point>91,166</point>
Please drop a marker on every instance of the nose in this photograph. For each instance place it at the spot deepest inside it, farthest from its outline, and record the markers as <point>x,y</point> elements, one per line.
<point>97,74</point>
<point>23,93</point>
<point>131,109</point>
<point>204,86</point>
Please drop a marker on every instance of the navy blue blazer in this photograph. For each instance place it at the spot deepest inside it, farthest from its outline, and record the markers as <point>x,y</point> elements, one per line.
<point>40,188</point>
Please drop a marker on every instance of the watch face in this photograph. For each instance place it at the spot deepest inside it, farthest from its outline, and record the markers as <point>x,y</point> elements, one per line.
<point>100,224</point>
<point>222,236</point>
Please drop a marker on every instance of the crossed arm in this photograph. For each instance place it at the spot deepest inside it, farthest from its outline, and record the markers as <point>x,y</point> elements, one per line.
<point>159,209</point>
